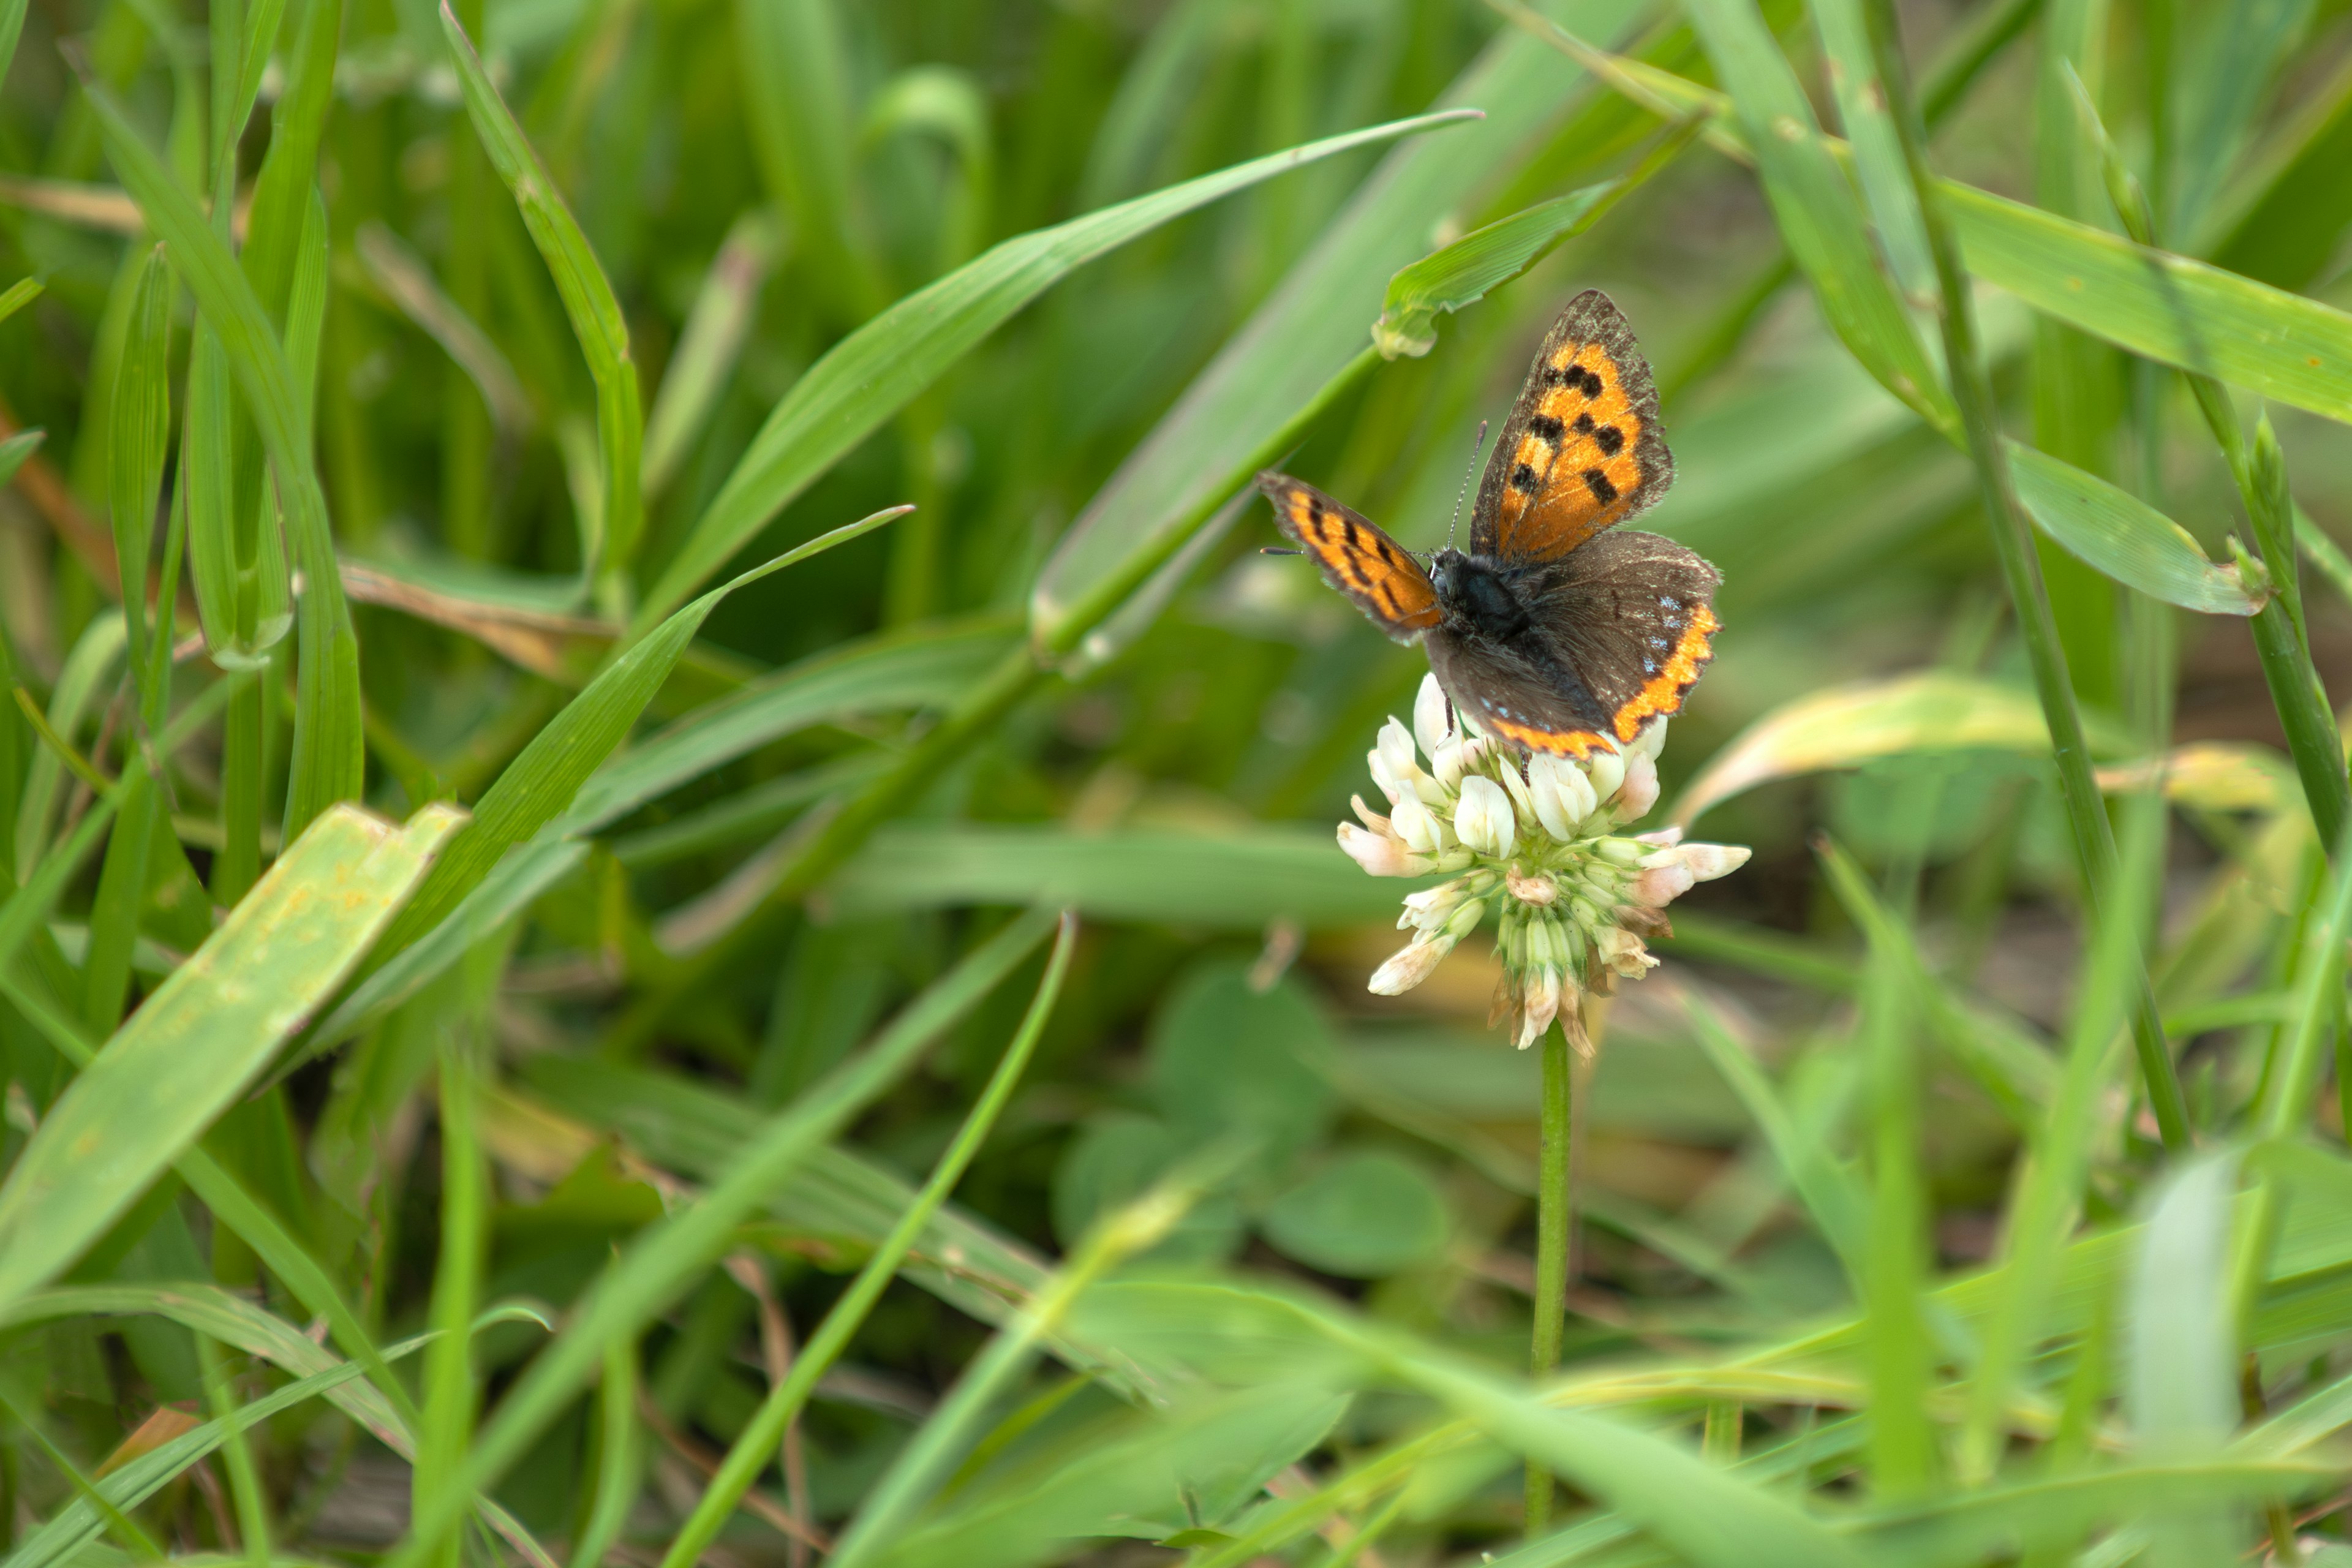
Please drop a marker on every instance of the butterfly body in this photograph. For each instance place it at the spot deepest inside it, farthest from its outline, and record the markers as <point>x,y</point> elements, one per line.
<point>1552,632</point>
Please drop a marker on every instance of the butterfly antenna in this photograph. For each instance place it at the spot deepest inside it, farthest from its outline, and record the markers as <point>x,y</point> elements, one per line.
<point>1476,446</point>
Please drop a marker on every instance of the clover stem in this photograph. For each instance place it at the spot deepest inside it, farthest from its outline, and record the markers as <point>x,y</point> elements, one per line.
<point>1555,1218</point>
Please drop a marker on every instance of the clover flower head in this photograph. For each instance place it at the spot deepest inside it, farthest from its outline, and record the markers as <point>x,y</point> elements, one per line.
<point>1536,841</point>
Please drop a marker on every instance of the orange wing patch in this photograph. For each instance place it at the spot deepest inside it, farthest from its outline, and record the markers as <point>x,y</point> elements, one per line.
<point>1576,744</point>
<point>1355,557</point>
<point>1575,471</point>
<point>1663,693</point>
<point>1582,451</point>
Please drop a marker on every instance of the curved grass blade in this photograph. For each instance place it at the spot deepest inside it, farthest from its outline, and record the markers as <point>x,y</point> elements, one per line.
<point>874,372</point>
<point>207,1032</point>
<point>1304,336</point>
<point>1466,271</point>
<point>541,782</point>
<point>749,1455</point>
<point>2117,533</point>
<point>930,1455</point>
<point>656,1268</point>
<point>139,434</point>
<point>588,300</point>
<point>329,759</point>
<point>1818,213</point>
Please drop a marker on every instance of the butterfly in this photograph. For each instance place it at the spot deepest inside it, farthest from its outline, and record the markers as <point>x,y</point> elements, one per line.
<point>1551,632</point>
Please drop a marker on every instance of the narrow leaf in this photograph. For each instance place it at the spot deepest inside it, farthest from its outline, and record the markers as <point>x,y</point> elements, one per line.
<point>875,370</point>
<point>207,1033</point>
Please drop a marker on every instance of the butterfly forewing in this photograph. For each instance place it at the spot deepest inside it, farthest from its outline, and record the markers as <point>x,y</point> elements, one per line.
<point>1582,451</point>
<point>1355,557</point>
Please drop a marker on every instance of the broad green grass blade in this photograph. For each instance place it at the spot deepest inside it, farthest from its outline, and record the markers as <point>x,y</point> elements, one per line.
<point>2183,313</point>
<point>874,372</point>
<point>656,1268</point>
<point>2122,536</point>
<point>1817,210</point>
<point>207,1033</point>
<point>748,1455</point>
<point>1311,327</point>
<point>1240,879</point>
<point>541,782</point>
<point>2180,1363</point>
<point>1877,152</point>
<point>588,299</point>
<point>25,291</point>
<point>138,436</point>
<point>329,759</point>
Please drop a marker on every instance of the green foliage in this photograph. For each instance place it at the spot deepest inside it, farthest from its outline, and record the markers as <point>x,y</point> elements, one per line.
<point>681,1142</point>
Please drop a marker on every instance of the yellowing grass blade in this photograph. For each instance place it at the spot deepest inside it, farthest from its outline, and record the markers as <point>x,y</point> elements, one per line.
<point>207,1033</point>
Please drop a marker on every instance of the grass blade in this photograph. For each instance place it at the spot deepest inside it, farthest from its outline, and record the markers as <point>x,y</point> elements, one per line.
<point>782,1404</point>
<point>877,370</point>
<point>329,759</point>
<point>656,1269</point>
<point>588,300</point>
<point>707,346</point>
<point>928,1458</point>
<point>1816,209</point>
<point>2180,1384</point>
<point>138,436</point>
<point>541,782</point>
<point>207,1032</point>
<point>2093,840</point>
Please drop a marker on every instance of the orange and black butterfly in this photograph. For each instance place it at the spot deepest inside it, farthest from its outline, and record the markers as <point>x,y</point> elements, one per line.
<point>1549,632</point>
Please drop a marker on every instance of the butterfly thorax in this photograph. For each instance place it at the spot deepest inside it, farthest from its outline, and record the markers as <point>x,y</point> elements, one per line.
<point>1478,593</point>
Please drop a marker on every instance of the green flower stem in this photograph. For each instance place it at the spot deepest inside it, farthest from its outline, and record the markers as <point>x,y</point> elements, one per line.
<point>2280,639</point>
<point>1555,1218</point>
<point>2086,814</point>
<point>1021,673</point>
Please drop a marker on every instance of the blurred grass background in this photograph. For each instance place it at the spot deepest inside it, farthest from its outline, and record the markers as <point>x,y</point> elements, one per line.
<point>479,340</point>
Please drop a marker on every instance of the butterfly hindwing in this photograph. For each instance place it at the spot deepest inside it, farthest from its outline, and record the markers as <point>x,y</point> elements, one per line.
<point>1633,616</point>
<point>1525,703</point>
<point>1582,451</point>
<point>1355,557</point>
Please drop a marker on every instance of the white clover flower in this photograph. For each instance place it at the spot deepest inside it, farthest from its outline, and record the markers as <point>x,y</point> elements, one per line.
<point>1484,819</point>
<point>1538,840</point>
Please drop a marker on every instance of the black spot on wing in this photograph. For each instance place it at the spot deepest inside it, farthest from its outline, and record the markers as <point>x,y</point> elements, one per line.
<point>1597,483</point>
<point>1546,428</point>
<point>1523,478</point>
<point>1610,439</point>
<point>1584,423</point>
